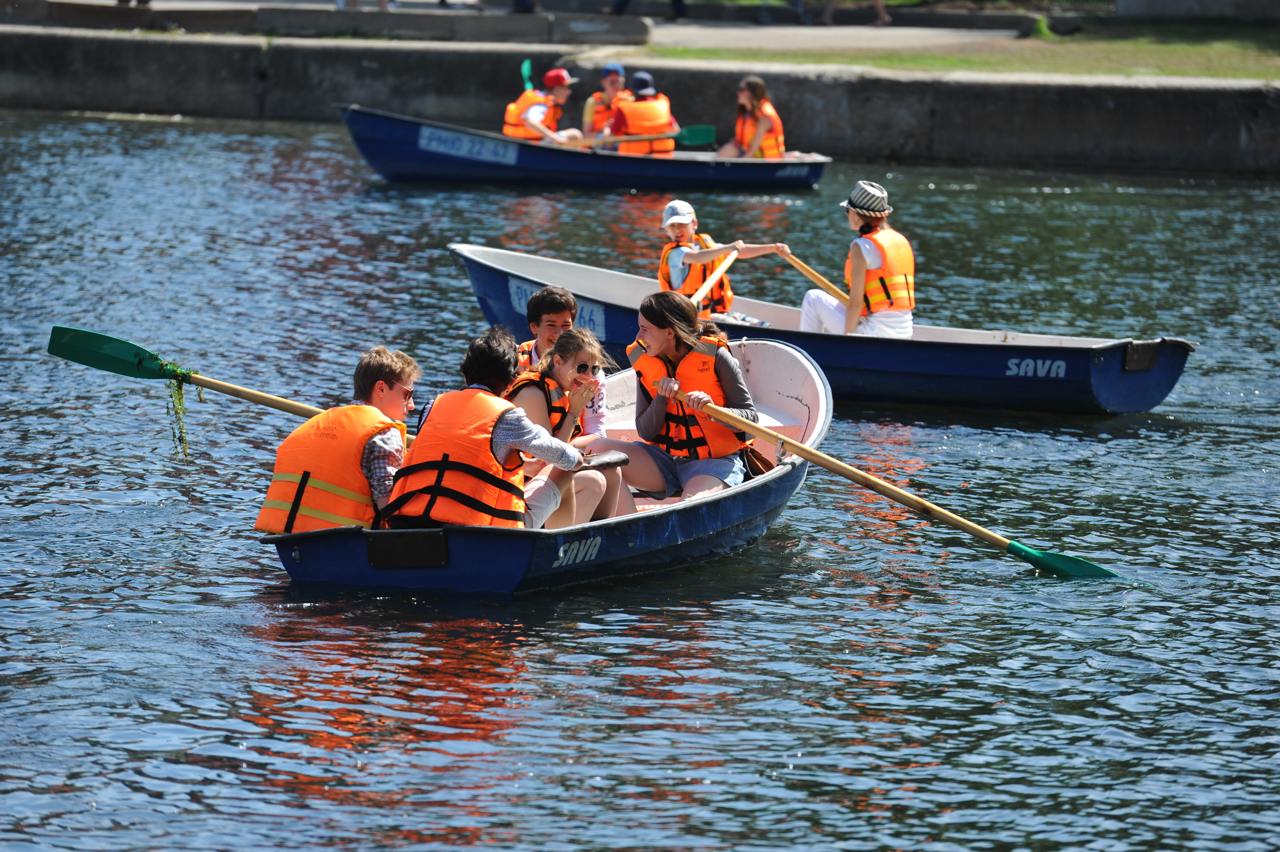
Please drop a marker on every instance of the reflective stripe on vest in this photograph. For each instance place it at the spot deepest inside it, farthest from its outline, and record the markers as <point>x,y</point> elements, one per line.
<point>450,474</point>
<point>601,112</point>
<point>720,299</point>
<point>557,400</point>
<point>513,119</point>
<point>644,118</point>
<point>318,482</point>
<point>772,144</point>
<point>685,432</point>
<point>892,287</point>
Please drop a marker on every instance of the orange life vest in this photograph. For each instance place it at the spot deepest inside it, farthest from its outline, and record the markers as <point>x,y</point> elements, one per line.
<point>686,433</point>
<point>513,119</point>
<point>892,287</point>
<point>720,299</point>
<point>601,112</point>
<point>318,482</point>
<point>772,144</point>
<point>557,400</point>
<point>451,475</point>
<point>524,355</point>
<point>643,118</point>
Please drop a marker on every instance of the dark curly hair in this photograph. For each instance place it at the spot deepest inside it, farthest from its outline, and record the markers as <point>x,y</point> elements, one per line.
<point>491,360</point>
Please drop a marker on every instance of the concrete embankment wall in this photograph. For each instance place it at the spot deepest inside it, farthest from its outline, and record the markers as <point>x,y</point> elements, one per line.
<point>1005,120</point>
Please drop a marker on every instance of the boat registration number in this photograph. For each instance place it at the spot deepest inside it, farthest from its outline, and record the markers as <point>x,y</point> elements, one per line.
<point>590,314</point>
<point>467,147</point>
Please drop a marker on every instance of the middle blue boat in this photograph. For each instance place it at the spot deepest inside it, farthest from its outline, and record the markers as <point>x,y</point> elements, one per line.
<point>937,366</point>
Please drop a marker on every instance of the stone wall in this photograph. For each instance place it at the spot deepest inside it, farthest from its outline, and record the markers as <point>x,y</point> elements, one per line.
<point>1164,124</point>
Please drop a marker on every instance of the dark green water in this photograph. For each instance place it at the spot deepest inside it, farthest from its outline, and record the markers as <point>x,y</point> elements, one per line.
<point>860,679</point>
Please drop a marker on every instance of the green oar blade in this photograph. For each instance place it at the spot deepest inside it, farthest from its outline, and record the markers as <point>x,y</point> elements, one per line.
<point>1071,567</point>
<point>109,353</point>
<point>526,73</point>
<point>697,134</point>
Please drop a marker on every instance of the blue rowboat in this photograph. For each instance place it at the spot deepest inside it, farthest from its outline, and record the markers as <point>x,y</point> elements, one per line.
<point>791,396</point>
<point>414,149</point>
<point>938,366</point>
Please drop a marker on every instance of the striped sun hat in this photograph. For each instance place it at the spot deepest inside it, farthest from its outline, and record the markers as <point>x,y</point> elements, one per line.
<point>868,198</point>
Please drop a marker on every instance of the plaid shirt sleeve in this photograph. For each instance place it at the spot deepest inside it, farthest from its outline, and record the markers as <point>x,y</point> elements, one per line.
<point>383,455</point>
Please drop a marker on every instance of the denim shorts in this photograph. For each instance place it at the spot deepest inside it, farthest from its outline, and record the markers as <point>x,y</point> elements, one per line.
<point>676,473</point>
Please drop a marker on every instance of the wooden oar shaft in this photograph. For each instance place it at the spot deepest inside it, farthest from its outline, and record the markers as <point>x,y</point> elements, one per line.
<point>875,483</point>
<point>593,141</point>
<point>817,278</point>
<point>277,402</point>
<point>713,278</point>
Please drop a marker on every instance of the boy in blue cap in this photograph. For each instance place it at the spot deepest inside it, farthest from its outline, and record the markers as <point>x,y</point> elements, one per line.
<point>599,107</point>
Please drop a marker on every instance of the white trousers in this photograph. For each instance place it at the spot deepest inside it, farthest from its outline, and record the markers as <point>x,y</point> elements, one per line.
<point>823,313</point>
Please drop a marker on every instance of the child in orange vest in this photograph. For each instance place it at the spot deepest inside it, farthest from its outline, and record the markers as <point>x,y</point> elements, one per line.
<point>690,258</point>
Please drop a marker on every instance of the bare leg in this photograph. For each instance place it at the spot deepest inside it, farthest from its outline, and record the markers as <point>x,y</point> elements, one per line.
<point>613,486</point>
<point>702,484</point>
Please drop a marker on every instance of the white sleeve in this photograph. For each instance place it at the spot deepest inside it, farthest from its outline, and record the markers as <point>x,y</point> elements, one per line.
<point>537,112</point>
<point>870,253</point>
<point>676,268</point>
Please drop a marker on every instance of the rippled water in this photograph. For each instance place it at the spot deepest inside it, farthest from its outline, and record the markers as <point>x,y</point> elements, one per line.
<point>859,679</point>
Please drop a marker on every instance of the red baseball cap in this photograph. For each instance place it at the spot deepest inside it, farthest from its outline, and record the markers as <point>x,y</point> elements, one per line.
<point>557,77</point>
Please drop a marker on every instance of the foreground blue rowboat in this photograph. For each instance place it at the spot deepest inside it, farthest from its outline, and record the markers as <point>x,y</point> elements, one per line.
<point>791,396</point>
<point>413,149</point>
<point>938,366</point>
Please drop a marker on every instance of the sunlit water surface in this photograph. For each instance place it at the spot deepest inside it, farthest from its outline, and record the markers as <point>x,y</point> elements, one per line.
<point>859,678</point>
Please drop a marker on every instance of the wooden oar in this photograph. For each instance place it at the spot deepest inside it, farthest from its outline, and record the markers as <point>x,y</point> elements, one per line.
<point>1057,563</point>
<point>817,278</point>
<point>694,134</point>
<point>129,359</point>
<point>712,279</point>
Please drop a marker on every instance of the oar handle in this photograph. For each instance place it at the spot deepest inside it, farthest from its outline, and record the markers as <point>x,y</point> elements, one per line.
<point>817,278</point>
<point>277,402</point>
<point>713,278</point>
<point>836,466</point>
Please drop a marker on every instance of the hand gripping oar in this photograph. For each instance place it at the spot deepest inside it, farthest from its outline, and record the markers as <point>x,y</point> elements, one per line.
<point>814,276</point>
<point>720,270</point>
<point>694,134</point>
<point>1058,563</point>
<point>129,359</point>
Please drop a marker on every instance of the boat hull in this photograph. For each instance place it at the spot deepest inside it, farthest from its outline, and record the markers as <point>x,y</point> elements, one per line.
<point>1009,371</point>
<point>501,562</point>
<point>404,149</point>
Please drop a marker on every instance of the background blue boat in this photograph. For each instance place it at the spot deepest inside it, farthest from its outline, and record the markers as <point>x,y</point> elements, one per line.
<point>401,148</point>
<point>938,366</point>
<point>791,396</point>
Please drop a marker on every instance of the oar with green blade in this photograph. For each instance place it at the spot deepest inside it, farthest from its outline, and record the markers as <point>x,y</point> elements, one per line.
<point>526,73</point>
<point>1056,563</point>
<point>129,359</point>
<point>694,134</point>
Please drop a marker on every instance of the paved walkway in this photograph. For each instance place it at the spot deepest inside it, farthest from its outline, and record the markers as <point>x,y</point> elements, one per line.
<point>797,38</point>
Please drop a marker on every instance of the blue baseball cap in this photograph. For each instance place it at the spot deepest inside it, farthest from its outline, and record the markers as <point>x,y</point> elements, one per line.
<point>613,68</point>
